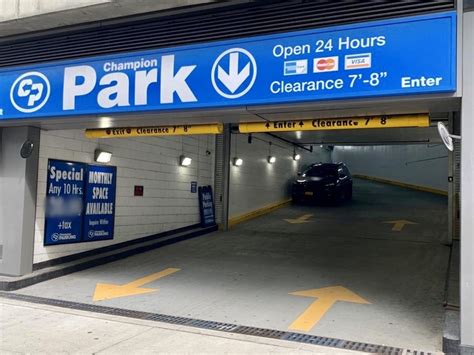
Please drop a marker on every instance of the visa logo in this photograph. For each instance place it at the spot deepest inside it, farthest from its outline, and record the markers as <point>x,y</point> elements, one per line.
<point>296,67</point>
<point>358,61</point>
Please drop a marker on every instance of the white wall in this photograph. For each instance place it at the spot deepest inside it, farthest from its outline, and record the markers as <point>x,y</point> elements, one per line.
<point>403,163</point>
<point>152,162</point>
<point>256,183</point>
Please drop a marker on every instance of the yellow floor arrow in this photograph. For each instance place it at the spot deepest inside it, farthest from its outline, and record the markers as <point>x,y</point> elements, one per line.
<point>326,298</point>
<point>108,291</point>
<point>303,219</point>
<point>399,224</point>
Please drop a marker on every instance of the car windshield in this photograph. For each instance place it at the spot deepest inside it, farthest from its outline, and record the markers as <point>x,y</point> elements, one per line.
<point>320,171</point>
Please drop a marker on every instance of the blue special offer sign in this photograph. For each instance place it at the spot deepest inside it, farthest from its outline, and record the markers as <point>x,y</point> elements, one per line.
<point>64,202</point>
<point>403,56</point>
<point>80,202</point>
<point>100,203</point>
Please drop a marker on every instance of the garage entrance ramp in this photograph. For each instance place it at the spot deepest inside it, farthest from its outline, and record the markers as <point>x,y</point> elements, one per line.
<point>344,277</point>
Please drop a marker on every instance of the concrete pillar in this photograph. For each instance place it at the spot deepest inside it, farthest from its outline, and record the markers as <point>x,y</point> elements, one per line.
<point>226,176</point>
<point>467,187</point>
<point>18,185</point>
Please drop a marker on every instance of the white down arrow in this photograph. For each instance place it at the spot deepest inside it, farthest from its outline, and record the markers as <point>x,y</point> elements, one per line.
<point>233,79</point>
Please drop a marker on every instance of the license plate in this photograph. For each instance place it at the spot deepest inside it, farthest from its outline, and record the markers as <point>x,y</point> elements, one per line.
<point>309,193</point>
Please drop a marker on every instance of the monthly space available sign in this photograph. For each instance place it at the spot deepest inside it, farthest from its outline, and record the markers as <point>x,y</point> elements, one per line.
<point>402,56</point>
<point>100,202</point>
<point>80,202</point>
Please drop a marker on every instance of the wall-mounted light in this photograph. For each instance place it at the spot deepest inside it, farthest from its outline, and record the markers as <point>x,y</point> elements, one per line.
<point>101,156</point>
<point>185,161</point>
<point>296,156</point>
<point>271,158</point>
<point>237,161</point>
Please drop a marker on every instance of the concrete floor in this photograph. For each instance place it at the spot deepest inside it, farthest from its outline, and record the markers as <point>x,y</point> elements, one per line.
<point>54,330</point>
<point>246,276</point>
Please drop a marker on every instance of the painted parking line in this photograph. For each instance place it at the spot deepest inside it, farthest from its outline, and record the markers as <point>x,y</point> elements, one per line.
<point>399,224</point>
<point>303,219</point>
<point>326,298</point>
<point>108,291</point>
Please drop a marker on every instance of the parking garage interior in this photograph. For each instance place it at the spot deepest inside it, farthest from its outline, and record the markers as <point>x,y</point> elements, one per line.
<point>384,257</point>
<point>378,272</point>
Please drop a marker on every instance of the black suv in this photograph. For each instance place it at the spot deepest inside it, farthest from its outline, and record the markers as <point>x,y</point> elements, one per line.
<point>323,181</point>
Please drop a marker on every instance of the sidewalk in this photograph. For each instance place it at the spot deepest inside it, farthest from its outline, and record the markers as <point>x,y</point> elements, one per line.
<point>34,328</point>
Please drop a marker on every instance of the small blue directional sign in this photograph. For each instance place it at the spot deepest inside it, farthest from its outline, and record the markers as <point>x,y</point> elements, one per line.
<point>404,56</point>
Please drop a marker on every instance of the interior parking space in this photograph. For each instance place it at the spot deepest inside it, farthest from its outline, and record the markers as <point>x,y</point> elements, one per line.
<point>382,285</point>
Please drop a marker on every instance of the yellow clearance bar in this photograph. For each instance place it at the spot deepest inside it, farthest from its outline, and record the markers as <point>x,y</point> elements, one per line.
<point>322,124</point>
<point>155,131</point>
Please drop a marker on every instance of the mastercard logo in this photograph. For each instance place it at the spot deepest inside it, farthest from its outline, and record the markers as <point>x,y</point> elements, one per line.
<point>326,64</point>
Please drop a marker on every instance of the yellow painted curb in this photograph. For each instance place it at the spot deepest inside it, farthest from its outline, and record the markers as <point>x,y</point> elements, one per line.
<point>257,213</point>
<point>402,184</point>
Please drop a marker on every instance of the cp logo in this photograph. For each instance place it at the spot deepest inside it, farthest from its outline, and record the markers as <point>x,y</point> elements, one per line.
<point>30,92</point>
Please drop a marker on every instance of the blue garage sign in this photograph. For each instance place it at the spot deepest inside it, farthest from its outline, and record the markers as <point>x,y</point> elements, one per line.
<point>206,206</point>
<point>80,202</point>
<point>64,202</point>
<point>414,55</point>
<point>100,203</point>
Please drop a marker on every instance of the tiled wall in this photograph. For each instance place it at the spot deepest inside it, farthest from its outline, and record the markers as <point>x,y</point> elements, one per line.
<point>152,162</point>
<point>423,165</point>
<point>257,183</point>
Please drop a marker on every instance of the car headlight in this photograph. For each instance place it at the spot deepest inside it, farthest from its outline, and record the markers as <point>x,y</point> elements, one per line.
<point>300,181</point>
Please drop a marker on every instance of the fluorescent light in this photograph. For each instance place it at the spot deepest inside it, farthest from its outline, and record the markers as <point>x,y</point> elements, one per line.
<point>237,161</point>
<point>101,156</point>
<point>271,159</point>
<point>185,161</point>
<point>296,156</point>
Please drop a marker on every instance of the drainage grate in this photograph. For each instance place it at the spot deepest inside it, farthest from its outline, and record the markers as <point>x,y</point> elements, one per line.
<point>224,327</point>
<point>260,332</point>
<point>371,348</point>
<point>312,339</point>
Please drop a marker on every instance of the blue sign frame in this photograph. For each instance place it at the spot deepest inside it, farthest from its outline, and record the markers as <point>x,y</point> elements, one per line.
<point>64,202</point>
<point>79,208</point>
<point>403,56</point>
<point>99,209</point>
